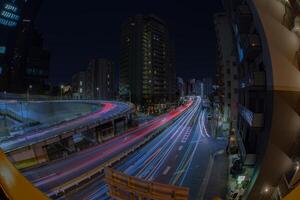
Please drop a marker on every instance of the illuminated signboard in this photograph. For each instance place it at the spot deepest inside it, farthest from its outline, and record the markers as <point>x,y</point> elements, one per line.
<point>10,13</point>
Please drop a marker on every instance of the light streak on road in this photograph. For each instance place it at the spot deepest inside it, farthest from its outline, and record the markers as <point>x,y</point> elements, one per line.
<point>148,162</point>
<point>85,161</point>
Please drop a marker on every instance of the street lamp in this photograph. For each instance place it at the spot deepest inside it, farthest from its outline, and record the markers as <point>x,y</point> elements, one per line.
<point>61,91</point>
<point>97,92</point>
<point>29,88</point>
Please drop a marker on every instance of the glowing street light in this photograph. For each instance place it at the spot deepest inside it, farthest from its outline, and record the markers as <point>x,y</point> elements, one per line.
<point>61,90</point>
<point>267,190</point>
<point>29,88</point>
<point>97,92</point>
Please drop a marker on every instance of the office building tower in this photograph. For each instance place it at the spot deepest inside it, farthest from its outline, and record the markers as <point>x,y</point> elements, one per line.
<point>11,14</point>
<point>147,71</point>
<point>103,80</point>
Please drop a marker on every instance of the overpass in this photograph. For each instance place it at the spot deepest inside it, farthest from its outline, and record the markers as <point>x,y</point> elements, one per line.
<point>59,140</point>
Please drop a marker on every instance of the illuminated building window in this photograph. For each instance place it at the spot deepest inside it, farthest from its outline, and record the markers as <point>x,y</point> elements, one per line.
<point>241,55</point>
<point>2,49</point>
<point>10,8</point>
<point>6,22</point>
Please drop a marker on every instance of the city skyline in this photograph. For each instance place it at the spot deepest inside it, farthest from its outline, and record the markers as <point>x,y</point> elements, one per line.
<point>73,48</point>
<point>168,100</point>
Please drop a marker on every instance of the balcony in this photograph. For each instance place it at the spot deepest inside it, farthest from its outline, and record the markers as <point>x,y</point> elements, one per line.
<point>254,80</point>
<point>251,46</point>
<point>243,19</point>
<point>255,120</point>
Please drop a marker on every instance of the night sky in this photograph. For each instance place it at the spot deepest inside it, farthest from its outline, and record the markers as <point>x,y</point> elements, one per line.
<point>75,31</point>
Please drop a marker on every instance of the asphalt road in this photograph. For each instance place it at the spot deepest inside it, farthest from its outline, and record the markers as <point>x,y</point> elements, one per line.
<point>56,173</point>
<point>184,155</point>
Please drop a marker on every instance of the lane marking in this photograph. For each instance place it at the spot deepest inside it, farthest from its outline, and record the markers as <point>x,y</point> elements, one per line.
<point>180,148</point>
<point>166,170</point>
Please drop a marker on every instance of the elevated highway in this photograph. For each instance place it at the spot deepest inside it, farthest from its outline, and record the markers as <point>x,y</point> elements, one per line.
<point>36,146</point>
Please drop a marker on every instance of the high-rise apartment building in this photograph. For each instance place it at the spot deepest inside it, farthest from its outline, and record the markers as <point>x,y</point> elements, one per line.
<point>266,36</point>
<point>147,71</point>
<point>103,80</point>
<point>81,85</point>
<point>227,66</point>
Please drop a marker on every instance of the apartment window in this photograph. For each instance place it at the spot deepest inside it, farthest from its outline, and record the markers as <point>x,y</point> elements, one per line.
<point>229,95</point>
<point>228,70</point>
<point>235,77</point>
<point>228,83</point>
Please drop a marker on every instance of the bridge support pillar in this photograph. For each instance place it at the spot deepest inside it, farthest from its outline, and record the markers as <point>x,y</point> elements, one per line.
<point>71,144</point>
<point>40,152</point>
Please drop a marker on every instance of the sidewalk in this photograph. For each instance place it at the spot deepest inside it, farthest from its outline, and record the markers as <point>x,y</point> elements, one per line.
<point>217,185</point>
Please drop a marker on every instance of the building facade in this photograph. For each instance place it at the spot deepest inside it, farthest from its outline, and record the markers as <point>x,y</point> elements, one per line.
<point>227,66</point>
<point>102,79</point>
<point>81,85</point>
<point>30,65</point>
<point>180,87</point>
<point>147,71</point>
<point>190,87</point>
<point>266,35</point>
<point>207,87</point>
<point>10,17</point>
<point>24,62</point>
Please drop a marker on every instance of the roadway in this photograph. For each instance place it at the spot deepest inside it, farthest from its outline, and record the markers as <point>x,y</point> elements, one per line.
<point>56,173</point>
<point>108,110</point>
<point>183,155</point>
